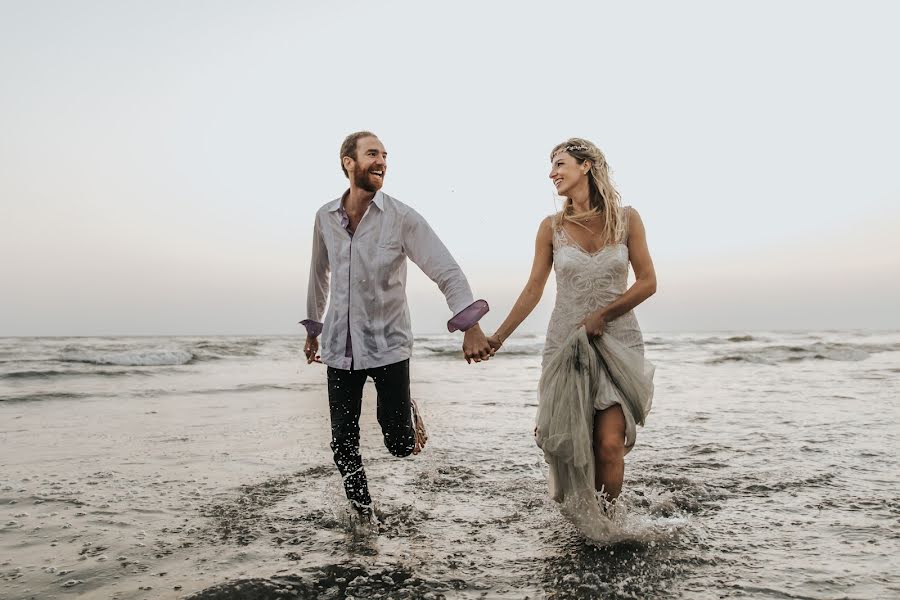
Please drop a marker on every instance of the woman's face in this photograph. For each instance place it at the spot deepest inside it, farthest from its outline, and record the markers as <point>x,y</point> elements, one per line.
<point>566,172</point>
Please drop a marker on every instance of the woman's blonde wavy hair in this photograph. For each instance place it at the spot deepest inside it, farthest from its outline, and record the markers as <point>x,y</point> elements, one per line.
<point>604,198</point>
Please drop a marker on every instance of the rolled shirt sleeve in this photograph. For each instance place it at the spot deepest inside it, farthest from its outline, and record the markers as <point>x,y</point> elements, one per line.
<point>467,317</point>
<point>313,328</point>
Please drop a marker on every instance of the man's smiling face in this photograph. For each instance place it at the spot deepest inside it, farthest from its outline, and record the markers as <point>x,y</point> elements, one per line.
<point>370,166</point>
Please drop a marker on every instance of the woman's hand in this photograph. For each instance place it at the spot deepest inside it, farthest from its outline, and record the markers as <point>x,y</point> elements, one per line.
<point>595,324</point>
<point>495,342</point>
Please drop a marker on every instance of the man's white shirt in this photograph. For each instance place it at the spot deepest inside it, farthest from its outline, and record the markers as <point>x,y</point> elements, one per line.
<point>365,276</point>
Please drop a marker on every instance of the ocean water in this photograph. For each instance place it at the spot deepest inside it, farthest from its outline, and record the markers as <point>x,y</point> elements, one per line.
<point>199,467</point>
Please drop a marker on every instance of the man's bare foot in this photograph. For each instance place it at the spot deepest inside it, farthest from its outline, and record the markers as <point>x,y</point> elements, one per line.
<point>419,424</point>
<point>362,515</point>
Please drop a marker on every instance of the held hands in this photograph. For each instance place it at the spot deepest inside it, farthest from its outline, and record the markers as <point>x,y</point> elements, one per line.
<point>311,349</point>
<point>476,346</point>
<point>594,324</point>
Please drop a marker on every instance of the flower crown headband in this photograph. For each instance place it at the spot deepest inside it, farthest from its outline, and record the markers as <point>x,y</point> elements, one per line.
<point>572,148</point>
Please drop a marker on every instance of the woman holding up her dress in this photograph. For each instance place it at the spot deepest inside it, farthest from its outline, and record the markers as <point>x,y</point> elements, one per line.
<point>589,244</point>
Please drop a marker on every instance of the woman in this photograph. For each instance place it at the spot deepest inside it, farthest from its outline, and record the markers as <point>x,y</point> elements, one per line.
<point>590,244</point>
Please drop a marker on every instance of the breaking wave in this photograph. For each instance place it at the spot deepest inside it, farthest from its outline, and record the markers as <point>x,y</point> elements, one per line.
<point>128,358</point>
<point>55,373</point>
<point>773,355</point>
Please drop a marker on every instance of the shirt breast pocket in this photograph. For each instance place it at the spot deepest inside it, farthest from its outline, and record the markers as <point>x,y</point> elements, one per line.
<point>390,248</point>
<point>388,255</point>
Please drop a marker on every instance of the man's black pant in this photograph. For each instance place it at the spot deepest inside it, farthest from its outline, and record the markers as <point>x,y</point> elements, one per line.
<point>394,415</point>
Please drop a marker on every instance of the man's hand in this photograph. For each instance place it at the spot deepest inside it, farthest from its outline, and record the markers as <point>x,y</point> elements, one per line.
<point>475,345</point>
<point>595,324</point>
<point>311,350</point>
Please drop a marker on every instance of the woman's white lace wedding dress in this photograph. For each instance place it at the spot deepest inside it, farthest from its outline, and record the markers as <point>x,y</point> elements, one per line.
<point>581,376</point>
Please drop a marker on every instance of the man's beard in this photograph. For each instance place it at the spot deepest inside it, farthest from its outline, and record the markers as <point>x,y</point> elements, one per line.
<point>362,181</point>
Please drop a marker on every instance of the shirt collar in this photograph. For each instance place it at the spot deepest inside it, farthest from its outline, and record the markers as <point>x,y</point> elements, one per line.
<point>338,204</point>
<point>378,200</point>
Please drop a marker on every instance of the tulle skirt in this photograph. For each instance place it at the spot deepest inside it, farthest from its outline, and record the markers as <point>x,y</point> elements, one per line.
<point>586,375</point>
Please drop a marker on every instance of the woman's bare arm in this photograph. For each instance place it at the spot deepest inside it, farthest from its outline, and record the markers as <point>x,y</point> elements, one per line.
<point>644,284</point>
<point>534,287</point>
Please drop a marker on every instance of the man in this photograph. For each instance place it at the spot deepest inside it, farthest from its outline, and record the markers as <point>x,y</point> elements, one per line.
<point>363,239</point>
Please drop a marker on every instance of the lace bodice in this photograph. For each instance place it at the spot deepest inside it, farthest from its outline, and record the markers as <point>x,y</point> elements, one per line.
<point>586,282</point>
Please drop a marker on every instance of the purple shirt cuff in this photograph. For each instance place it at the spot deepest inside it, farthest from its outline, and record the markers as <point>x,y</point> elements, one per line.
<point>313,328</point>
<point>467,317</point>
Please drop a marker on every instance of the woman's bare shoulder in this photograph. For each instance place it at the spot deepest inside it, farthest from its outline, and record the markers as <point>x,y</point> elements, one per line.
<point>631,211</point>
<point>545,229</point>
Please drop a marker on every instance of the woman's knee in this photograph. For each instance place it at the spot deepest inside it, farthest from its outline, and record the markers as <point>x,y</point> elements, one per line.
<point>610,449</point>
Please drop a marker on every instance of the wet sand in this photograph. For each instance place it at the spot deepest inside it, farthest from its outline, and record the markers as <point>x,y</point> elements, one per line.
<point>109,498</point>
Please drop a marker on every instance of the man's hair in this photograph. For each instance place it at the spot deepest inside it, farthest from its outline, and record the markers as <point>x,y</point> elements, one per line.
<point>348,148</point>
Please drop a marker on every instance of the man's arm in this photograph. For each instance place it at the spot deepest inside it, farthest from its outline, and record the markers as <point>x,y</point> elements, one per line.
<point>428,252</point>
<point>316,295</point>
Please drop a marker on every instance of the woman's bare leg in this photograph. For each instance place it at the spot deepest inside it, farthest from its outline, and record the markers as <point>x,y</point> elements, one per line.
<point>609,451</point>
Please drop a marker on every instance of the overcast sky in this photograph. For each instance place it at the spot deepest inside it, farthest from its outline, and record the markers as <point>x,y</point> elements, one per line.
<point>161,162</point>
